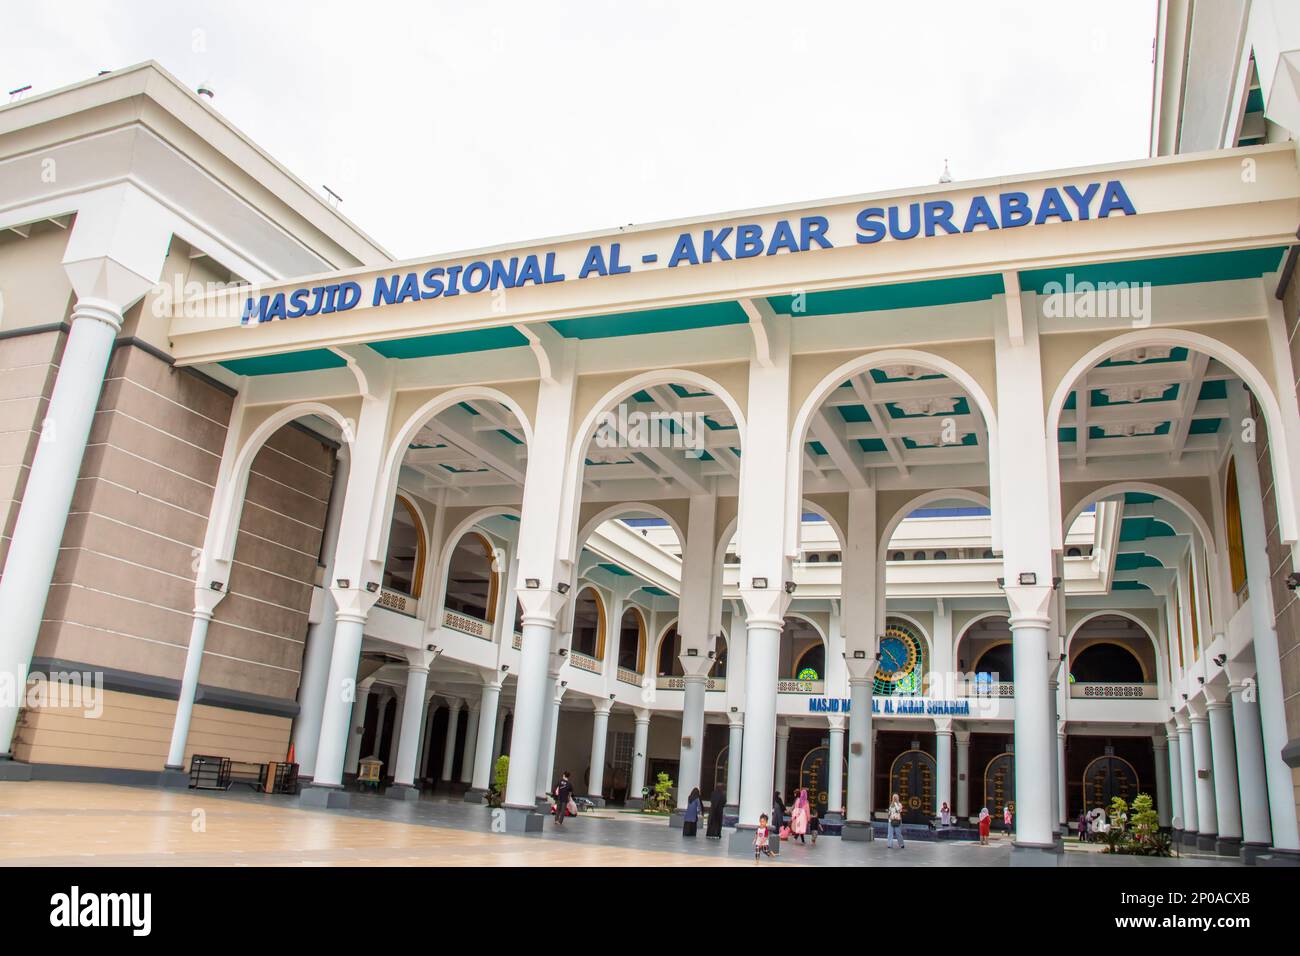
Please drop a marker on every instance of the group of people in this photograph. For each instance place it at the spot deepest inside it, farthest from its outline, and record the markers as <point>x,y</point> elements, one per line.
<point>805,822</point>
<point>1094,824</point>
<point>695,807</point>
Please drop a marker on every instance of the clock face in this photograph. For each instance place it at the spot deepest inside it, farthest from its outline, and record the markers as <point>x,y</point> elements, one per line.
<point>901,661</point>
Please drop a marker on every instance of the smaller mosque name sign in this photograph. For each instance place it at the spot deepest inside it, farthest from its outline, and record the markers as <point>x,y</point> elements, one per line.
<point>922,706</point>
<point>745,240</point>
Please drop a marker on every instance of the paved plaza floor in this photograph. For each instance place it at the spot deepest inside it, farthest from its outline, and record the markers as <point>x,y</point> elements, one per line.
<point>77,824</point>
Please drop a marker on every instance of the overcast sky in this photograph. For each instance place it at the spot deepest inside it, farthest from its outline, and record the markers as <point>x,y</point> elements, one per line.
<point>452,125</point>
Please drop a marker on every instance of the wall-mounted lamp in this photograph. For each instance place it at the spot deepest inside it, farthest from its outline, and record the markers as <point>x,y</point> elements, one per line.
<point>758,584</point>
<point>564,683</point>
<point>532,583</point>
<point>735,710</point>
<point>1201,679</point>
<point>611,696</point>
<point>1002,582</point>
<point>692,652</point>
<point>1184,697</point>
<point>1028,578</point>
<point>1292,581</point>
<point>564,652</point>
<point>859,655</point>
<point>789,587</point>
<point>711,653</point>
<point>563,587</point>
<point>1056,583</point>
<point>372,586</point>
<point>504,668</point>
<point>343,583</point>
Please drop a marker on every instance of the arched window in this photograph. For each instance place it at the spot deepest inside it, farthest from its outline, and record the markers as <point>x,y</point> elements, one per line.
<point>670,649</point>
<point>589,624</point>
<point>996,661</point>
<point>471,581</point>
<point>631,641</point>
<point>404,563</point>
<point>1106,663</point>
<point>1073,553</point>
<point>833,557</point>
<point>988,553</point>
<point>941,556</point>
<point>720,657</point>
<point>918,556</point>
<point>813,558</point>
<point>1236,540</point>
<point>802,654</point>
<point>898,556</point>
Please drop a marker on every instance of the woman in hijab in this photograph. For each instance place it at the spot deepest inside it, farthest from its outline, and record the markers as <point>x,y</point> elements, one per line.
<point>985,823</point>
<point>778,819</point>
<point>716,804</point>
<point>692,816</point>
<point>799,817</point>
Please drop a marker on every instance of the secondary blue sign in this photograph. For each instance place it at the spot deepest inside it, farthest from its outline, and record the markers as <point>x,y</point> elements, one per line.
<point>1005,210</point>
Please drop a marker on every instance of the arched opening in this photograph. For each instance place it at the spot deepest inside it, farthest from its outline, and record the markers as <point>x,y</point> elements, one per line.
<point>589,624</point>
<point>668,660</point>
<point>1236,540</point>
<point>631,641</point>
<point>472,578</point>
<point>802,654</point>
<point>404,562</point>
<point>720,656</point>
<point>984,650</point>
<point>1106,663</point>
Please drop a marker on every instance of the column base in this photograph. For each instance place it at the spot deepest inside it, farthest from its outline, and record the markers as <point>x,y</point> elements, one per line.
<point>1037,854</point>
<point>833,816</point>
<point>634,803</point>
<point>731,810</point>
<point>858,831</point>
<point>325,797</point>
<point>596,800</point>
<point>1185,839</point>
<point>1276,857</point>
<point>676,819</point>
<point>543,805</point>
<point>515,820</point>
<point>403,792</point>
<point>174,778</point>
<point>11,771</point>
<point>1228,846</point>
<point>1251,852</point>
<point>1205,842</point>
<point>474,795</point>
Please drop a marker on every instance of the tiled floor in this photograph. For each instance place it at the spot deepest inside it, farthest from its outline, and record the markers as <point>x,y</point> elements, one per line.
<point>99,825</point>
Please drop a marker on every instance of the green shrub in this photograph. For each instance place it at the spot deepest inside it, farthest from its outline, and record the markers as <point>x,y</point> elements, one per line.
<point>500,774</point>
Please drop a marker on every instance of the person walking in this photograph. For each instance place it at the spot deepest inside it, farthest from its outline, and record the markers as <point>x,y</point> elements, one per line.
<point>692,816</point>
<point>716,804</point>
<point>799,817</point>
<point>778,820</point>
<point>985,823</point>
<point>895,828</point>
<point>814,823</point>
<point>1006,818</point>
<point>563,799</point>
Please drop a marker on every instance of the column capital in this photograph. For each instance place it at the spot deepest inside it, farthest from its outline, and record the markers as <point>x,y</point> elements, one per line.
<point>98,310</point>
<point>782,732</point>
<point>735,719</point>
<point>602,706</point>
<point>962,737</point>
<point>1030,605</point>
<point>642,714</point>
<point>1160,743</point>
<point>835,723</point>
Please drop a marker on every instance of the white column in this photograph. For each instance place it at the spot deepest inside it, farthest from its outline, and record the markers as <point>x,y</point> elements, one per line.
<point>1256,826</point>
<point>489,725</point>
<point>963,775</point>
<point>782,762</point>
<point>552,730</point>
<point>449,748</point>
<point>355,585</point>
<point>423,761</point>
<point>547,516</point>
<point>942,764</point>
<point>640,745</point>
<point>395,738</point>
<point>1206,807</point>
<point>694,615</point>
<point>357,725</point>
<point>1060,783</point>
<point>471,744</point>
<point>202,617</point>
<point>861,581</point>
<point>735,741</point>
<point>417,680</point>
<point>767,506</point>
<point>1035,750</point>
<point>499,734</point>
<point>1177,813</point>
<point>835,772</point>
<point>38,532</point>
<point>599,737</point>
<point>1187,763</point>
<point>1268,662</point>
<point>1161,747</point>
<point>320,636</point>
<point>381,720</point>
<point>1025,502</point>
<point>1223,756</point>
